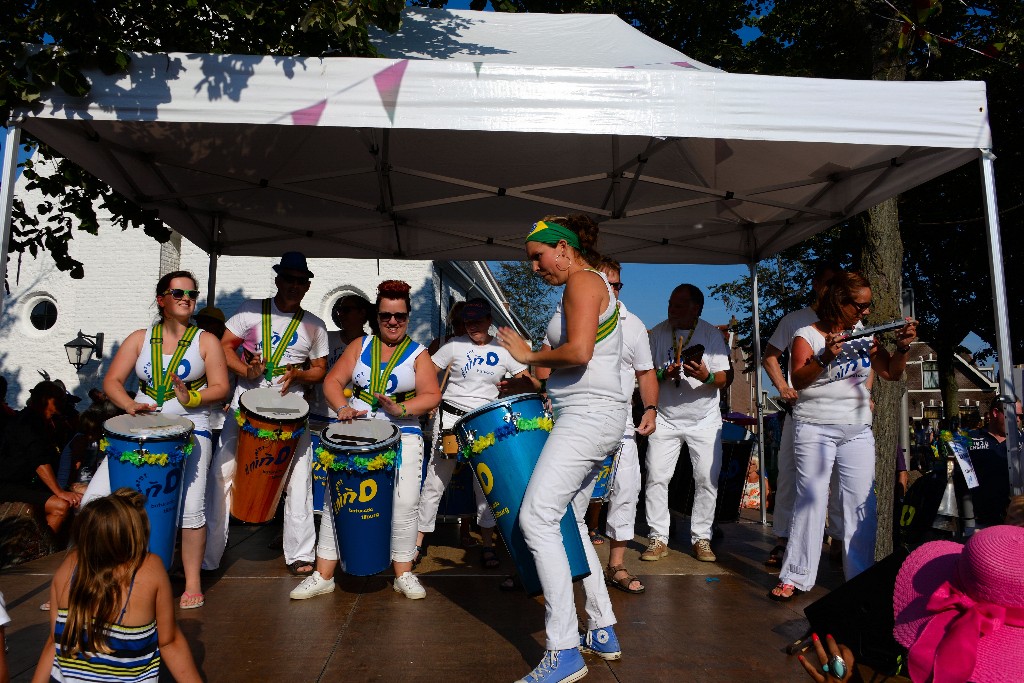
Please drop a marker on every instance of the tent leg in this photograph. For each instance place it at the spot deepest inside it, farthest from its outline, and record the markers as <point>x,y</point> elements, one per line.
<point>757,400</point>
<point>211,280</point>
<point>995,266</point>
<point>11,144</point>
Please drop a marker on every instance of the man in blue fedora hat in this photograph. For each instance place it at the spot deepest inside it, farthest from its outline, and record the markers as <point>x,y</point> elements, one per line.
<point>271,343</point>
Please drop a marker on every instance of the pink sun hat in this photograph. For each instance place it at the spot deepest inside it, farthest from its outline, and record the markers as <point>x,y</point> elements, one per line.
<point>960,609</point>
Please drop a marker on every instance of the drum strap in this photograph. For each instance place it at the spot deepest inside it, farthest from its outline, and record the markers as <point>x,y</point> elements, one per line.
<point>452,410</point>
<point>608,326</point>
<point>162,376</point>
<point>195,385</point>
<point>270,354</point>
<point>378,377</point>
<point>365,396</point>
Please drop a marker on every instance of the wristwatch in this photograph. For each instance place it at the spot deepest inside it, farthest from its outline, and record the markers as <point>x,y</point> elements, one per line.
<point>654,408</point>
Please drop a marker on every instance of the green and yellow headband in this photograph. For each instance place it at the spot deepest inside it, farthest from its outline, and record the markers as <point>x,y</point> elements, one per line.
<point>553,233</point>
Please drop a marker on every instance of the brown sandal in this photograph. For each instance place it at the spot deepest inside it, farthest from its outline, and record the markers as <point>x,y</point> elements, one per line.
<point>622,584</point>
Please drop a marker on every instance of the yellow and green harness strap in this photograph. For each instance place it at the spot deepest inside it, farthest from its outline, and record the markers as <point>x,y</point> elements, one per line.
<point>271,355</point>
<point>365,396</point>
<point>608,326</point>
<point>379,377</point>
<point>162,376</point>
<point>194,385</point>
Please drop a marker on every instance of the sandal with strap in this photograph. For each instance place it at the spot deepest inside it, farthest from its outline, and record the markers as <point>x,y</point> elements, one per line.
<point>191,600</point>
<point>596,538</point>
<point>295,566</point>
<point>610,572</point>
<point>775,556</point>
<point>489,558</point>
<point>779,593</point>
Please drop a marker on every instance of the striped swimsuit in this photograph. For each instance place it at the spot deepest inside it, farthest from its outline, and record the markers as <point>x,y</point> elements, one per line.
<point>135,656</point>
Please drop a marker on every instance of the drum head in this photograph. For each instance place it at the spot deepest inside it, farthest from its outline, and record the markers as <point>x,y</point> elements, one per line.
<point>360,436</point>
<point>269,404</point>
<point>149,427</point>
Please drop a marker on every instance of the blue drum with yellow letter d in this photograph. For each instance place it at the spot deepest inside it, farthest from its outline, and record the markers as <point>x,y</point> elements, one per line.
<point>503,441</point>
<point>360,458</point>
<point>147,453</point>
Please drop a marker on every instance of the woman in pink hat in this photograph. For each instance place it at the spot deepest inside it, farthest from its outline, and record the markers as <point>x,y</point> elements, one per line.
<point>960,609</point>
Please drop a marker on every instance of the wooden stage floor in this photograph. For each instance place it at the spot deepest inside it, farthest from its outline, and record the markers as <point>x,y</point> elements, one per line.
<point>696,622</point>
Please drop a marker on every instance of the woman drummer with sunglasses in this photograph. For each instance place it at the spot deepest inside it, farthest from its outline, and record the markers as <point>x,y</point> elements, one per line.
<point>181,371</point>
<point>391,379</point>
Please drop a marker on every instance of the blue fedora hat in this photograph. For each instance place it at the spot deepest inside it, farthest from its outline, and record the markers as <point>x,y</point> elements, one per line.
<point>293,260</point>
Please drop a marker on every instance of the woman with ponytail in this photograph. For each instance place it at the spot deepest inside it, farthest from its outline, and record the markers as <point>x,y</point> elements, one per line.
<point>114,612</point>
<point>392,379</point>
<point>585,388</point>
<point>197,380</point>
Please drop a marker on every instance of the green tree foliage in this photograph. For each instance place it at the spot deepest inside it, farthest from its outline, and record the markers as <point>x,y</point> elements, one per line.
<point>88,34</point>
<point>529,297</point>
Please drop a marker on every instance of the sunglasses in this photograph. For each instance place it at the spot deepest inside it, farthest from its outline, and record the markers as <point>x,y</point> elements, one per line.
<point>617,286</point>
<point>293,279</point>
<point>177,294</point>
<point>860,307</point>
<point>384,316</point>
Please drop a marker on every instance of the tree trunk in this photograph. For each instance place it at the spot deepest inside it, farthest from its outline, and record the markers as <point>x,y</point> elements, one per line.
<point>947,383</point>
<point>882,264</point>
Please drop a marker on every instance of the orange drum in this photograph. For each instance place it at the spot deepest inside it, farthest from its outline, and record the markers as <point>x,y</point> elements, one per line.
<point>269,428</point>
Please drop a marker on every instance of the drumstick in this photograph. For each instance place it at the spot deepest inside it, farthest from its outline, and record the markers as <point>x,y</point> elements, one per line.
<point>444,380</point>
<point>679,350</point>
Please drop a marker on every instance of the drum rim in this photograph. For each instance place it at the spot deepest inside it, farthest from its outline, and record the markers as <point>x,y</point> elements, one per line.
<point>184,435</point>
<point>516,398</point>
<point>379,446</point>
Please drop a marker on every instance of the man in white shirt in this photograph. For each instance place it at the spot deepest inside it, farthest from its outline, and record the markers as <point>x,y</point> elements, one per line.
<point>782,340</point>
<point>688,412</point>
<point>637,367</point>
<point>302,362</point>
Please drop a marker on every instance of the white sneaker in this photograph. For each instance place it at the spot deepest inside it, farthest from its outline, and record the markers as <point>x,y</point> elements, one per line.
<point>410,586</point>
<point>312,586</point>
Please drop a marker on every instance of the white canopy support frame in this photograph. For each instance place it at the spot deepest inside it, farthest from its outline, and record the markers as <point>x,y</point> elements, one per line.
<point>11,143</point>
<point>477,123</point>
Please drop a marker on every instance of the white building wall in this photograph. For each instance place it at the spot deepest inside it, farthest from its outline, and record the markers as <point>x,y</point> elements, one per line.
<point>117,294</point>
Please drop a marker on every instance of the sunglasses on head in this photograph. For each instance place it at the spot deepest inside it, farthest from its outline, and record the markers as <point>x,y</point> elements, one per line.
<point>384,316</point>
<point>177,294</point>
<point>293,279</point>
<point>617,286</point>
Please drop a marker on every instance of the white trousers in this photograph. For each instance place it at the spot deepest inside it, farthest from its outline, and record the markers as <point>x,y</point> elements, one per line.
<point>565,475</point>
<point>785,491</point>
<point>299,532</point>
<point>404,507</point>
<point>819,448</point>
<point>193,508</point>
<point>705,444</point>
<point>439,474</point>
<point>625,493</point>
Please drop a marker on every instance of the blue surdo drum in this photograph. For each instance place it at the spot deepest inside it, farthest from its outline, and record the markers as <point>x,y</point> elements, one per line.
<point>147,453</point>
<point>360,458</point>
<point>503,441</point>
<point>317,425</point>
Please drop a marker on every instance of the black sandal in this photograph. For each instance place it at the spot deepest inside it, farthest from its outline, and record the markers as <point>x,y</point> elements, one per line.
<point>295,566</point>
<point>489,558</point>
<point>775,556</point>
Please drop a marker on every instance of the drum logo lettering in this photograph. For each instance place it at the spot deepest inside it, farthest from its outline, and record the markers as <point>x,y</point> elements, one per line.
<point>496,512</point>
<point>367,492</point>
<point>153,489</point>
<point>262,459</point>
<point>486,478</point>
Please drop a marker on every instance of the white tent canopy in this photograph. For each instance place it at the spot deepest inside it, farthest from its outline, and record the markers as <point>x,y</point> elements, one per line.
<point>477,124</point>
<point>454,158</point>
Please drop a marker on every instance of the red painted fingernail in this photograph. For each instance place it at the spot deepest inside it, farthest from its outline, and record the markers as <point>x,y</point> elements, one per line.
<point>800,657</point>
<point>815,636</point>
<point>829,635</point>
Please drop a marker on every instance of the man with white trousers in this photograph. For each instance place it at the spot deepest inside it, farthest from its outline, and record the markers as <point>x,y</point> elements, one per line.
<point>688,412</point>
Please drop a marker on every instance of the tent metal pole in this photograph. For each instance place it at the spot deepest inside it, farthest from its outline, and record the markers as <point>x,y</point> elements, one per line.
<point>11,144</point>
<point>995,266</point>
<point>211,280</point>
<point>757,383</point>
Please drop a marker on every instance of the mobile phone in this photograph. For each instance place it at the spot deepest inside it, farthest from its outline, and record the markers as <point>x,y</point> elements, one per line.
<point>692,354</point>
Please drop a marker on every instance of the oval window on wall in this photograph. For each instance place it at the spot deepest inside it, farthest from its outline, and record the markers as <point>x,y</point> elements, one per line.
<point>43,315</point>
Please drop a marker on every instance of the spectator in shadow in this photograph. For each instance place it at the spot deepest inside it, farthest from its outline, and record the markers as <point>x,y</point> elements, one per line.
<point>29,456</point>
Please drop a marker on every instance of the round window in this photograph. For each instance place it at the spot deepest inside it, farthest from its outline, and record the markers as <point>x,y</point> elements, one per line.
<point>43,315</point>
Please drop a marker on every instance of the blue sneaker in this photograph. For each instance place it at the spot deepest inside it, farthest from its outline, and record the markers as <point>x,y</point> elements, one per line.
<point>558,666</point>
<point>601,642</point>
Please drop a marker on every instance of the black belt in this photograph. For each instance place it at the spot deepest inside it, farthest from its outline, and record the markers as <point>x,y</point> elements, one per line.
<point>452,410</point>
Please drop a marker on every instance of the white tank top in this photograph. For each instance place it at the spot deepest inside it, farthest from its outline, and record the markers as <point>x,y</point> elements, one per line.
<point>191,369</point>
<point>401,381</point>
<point>599,382</point>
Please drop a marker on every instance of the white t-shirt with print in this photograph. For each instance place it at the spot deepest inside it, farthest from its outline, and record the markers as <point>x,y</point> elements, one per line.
<point>476,370</point>
<point>692,402</point>
<point>636,355</point>
<point>840,395</point>
<point>308,342</point>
